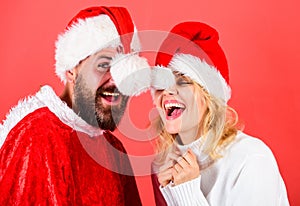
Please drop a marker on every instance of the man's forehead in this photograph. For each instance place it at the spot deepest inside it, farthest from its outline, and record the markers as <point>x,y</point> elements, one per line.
<point>108,51</point>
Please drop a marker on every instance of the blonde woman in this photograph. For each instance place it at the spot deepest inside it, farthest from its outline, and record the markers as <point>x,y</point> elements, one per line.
<point>203,157</point>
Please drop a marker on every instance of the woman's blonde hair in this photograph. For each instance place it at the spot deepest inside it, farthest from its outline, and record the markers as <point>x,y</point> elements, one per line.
<point>219,127</point>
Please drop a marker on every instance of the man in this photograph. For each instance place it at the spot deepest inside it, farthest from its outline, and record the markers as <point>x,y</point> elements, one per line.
<point>59,150</point>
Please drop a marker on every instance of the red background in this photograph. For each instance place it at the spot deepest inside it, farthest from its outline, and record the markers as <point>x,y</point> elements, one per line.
<point>259,37</point>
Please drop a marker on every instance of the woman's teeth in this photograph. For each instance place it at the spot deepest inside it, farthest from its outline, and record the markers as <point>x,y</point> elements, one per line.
<point>175,105</point>
<point>174,109</point>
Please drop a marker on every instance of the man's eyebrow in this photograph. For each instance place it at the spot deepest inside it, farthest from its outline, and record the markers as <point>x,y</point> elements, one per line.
<point>104,57</point>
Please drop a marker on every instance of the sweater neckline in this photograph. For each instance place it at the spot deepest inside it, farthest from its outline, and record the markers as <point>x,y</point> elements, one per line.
<point>198,142</point>
<point>203,159</point>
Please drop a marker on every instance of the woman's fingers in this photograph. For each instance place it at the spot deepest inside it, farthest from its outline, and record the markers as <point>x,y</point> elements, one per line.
<point>165,177</point>
<point>183,162</point>
<point>186,168</point>
<point>166,166</point>
<point>190,157</point>
<point>179,169</point>
<point>171,160</point>
<point>173,156</point>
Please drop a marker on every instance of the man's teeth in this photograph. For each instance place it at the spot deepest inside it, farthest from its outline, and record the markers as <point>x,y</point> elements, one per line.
<point>110,94</point>
<point>171,105</point>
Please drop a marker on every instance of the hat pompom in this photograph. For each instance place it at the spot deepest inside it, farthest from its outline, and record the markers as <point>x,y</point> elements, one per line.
<point>131,74</point>
<point>162,78</point>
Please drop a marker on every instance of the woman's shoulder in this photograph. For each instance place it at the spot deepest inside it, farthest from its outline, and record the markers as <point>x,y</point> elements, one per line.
<point>247,145</point>
<point>247,151</point>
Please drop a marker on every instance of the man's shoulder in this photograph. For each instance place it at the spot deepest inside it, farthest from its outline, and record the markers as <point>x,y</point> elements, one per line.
<point>41,114</point>
<point>40,121</point>
<point>37,130</point>
<point>44,114</point>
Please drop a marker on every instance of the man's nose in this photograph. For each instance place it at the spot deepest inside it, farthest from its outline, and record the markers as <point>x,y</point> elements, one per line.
<point>108,78</point>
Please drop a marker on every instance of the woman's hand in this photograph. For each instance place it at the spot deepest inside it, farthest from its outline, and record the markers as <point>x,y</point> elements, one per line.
<point>186,168</point>
<point>165,171</point>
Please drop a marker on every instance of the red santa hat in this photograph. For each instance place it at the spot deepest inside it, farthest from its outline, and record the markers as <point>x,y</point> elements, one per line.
<point>96,28</point>
<point>192,49</point>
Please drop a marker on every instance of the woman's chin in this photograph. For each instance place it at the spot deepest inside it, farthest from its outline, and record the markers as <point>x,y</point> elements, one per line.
<point>171,129</point>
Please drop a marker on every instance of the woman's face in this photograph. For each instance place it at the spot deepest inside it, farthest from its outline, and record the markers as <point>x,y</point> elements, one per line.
<point>181,108</point>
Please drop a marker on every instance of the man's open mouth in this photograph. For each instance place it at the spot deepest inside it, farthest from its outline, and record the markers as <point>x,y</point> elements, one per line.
<point>110,95</point>
<point>173,109</point>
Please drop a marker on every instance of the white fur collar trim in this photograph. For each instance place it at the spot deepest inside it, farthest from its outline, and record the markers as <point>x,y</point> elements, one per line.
<point>46,97</point>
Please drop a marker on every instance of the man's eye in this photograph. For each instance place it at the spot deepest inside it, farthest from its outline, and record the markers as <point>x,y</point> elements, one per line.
<point>103,66</point>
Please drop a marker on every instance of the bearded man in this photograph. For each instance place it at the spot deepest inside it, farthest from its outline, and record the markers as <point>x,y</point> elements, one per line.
<point>59,150</point>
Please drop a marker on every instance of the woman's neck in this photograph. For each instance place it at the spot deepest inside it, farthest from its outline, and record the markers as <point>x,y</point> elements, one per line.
<point>187,137</point>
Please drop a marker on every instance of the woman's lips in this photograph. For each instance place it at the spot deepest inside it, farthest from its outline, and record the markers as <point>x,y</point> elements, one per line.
<point>173,109</point>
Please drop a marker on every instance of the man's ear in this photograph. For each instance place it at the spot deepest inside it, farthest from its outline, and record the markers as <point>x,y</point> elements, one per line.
<point>71,76</point>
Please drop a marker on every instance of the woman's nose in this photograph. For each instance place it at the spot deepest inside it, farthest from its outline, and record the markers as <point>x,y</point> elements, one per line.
<point>171,90</point>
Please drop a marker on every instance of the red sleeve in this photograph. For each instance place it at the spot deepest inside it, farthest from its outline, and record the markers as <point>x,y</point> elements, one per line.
<point>29,172</point>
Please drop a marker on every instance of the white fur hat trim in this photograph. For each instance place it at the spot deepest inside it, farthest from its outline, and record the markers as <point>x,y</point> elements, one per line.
<point>198,70</point>
<point>206,75</point>
<point>85,38</point>
<point>131,74</point>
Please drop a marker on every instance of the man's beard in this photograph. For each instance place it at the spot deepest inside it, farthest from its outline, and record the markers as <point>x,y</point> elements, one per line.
<point>91,109</point>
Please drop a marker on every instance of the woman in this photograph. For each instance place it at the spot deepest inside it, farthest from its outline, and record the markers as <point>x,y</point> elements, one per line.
<point>203,156</point>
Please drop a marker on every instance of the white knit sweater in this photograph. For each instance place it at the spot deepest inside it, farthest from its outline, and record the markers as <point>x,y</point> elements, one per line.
<point>246,175</point>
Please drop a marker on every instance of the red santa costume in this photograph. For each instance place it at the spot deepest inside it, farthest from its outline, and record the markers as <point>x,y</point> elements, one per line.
<point>43,156</point>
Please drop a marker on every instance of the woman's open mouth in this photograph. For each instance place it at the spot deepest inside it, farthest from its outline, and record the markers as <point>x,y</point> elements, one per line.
<point>173,109</point>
